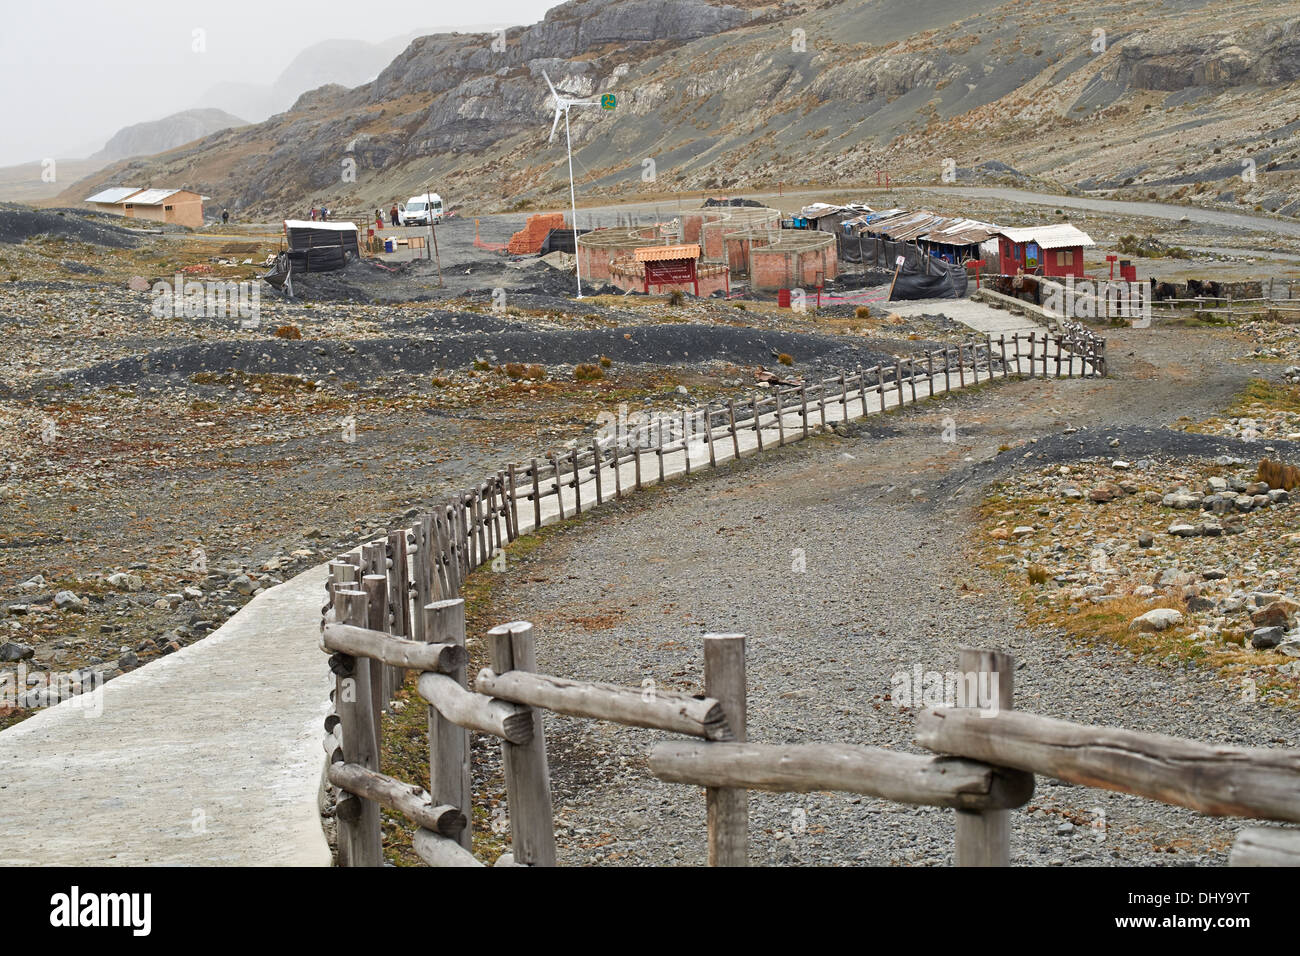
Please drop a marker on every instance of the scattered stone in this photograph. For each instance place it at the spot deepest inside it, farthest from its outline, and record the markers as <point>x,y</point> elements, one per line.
<point>126,582</point>
<point>11,651</point>
<point>67,601</point>
<point>1265,637</point>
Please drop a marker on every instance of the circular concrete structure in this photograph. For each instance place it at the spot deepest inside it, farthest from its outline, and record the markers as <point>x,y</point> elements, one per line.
<point>600,247</point>
<point>797,258</point>
<point>709,225</point>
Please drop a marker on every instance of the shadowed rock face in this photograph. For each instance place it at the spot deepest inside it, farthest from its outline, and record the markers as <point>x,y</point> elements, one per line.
<point>1269,57</point>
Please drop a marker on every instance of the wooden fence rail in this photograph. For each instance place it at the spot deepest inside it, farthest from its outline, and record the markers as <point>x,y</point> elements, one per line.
<point>987,757</point>
<point>393,606</point>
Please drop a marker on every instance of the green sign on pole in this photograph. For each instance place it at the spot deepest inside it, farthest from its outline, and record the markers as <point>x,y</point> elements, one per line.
<point>608,101</point>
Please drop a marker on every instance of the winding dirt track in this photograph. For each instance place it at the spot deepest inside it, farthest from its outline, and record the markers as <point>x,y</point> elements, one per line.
<point>626,596</point>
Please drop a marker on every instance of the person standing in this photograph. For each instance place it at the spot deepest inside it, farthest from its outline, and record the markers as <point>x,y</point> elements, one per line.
<point>379,220</point>
<point>225,216</point>
<point>313,213</point>
<point>392,214</point>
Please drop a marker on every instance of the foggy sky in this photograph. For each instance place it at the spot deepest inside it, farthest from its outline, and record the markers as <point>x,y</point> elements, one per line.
<point>73,72</point>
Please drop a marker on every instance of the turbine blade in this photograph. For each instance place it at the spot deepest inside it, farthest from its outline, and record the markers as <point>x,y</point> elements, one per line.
<point>555,125</point>
<point>550,84</point>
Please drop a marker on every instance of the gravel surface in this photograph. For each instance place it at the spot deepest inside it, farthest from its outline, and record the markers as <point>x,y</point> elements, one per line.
<point>627,595</point>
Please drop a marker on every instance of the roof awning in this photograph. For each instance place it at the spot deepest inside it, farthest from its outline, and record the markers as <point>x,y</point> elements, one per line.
<point>656,253</point>
<point>1059,236</point>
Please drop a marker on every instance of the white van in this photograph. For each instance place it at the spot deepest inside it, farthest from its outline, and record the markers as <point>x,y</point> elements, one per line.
<point>420,210</point>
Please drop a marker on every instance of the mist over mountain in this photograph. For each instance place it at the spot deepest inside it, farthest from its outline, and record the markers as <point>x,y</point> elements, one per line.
<point>1163,99</point>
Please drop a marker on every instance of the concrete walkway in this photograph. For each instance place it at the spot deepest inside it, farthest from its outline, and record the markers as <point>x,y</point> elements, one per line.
<point>209,756</point>
<point>980,316</point>
<point>213,755</point>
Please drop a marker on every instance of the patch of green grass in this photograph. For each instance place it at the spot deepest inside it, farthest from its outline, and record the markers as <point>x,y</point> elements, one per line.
<point>1276,396</point>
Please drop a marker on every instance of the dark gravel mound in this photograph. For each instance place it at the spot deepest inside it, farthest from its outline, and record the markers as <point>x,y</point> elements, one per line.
<point>1135,445</point>
<point>500,341</point>
<point>19,223</point>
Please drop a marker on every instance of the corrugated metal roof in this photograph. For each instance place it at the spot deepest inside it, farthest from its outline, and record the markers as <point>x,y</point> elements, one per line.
<point>655,253</point>
<point>962,232</point>
<point>153,197</point>
<point>114,194</point>
<point>913,226</point>
<point>1058,236</point>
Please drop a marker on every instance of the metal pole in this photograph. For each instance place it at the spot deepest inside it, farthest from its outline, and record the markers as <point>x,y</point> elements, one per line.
<point>573,201</point>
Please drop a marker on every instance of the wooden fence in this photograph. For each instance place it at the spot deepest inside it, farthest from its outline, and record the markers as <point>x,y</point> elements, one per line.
<point>393,604</point>
<point>984,755</point>
<point>521,497</point>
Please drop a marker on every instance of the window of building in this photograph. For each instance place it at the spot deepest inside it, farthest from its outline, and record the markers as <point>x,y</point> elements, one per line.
<point>167,208</point>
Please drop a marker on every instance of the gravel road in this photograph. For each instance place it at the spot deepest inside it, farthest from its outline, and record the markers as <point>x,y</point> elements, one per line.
<point>626,596</point>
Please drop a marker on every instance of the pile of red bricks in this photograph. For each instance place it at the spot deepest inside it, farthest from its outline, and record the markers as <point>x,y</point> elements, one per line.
<point>529,239</point>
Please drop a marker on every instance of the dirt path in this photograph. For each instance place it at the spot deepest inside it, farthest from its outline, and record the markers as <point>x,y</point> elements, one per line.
<point>626,597</point>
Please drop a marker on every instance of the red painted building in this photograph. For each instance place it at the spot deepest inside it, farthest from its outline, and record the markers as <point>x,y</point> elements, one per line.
<point>1043,250</point>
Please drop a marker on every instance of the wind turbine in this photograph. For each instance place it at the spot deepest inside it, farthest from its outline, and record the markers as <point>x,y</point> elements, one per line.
<point>562,104</point>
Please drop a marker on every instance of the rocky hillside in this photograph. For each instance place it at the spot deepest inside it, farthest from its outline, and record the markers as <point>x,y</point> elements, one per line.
<point>1191,101</point>
<point>144,139</point>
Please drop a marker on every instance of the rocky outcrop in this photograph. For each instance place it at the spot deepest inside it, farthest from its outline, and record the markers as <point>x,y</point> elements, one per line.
<point>1153,61</point>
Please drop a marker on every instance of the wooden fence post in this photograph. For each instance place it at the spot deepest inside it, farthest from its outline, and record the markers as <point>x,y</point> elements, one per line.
<point>528,778</point>
<point>358,819</point>
<point>577,483</point>
<point>728,808</point>
<point>376,588</point>
<point>449,776</point>
<point>735,435</point>
<point>984,836</point>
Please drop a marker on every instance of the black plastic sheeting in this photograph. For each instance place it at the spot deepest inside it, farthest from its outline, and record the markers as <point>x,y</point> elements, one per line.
<point>919,286</point>
<point>923,276</point>
<point>560,240</point>
<point>321,250</point>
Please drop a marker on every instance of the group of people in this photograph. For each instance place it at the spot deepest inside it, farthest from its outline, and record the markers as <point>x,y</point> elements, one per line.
<point>392,215</point>
<point>320,211</point>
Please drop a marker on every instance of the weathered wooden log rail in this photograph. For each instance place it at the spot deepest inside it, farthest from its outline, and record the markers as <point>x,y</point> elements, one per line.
<point>986,754</point>
<point>393,606</point>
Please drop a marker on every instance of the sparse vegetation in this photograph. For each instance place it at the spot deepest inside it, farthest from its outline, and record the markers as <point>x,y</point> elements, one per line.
<point>785,359</point>
<point>588,372</point>
<point>288,332</point>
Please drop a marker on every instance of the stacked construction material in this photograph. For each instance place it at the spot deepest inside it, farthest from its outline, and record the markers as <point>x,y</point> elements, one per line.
<point>528,240</point>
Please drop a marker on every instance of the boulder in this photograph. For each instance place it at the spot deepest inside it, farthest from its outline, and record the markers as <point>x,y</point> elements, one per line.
<point>1277,614</point>
<point>1157,619</point>
<point>12,651</point>
<point>1263,638</point>
<point>126,582</point>
<point>67,601</point>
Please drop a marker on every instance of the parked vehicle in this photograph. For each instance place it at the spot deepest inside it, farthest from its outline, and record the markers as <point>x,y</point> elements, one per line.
<point>420,210</point>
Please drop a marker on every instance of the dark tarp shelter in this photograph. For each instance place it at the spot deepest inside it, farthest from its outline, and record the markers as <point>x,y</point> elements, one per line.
<point>321,246</point>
